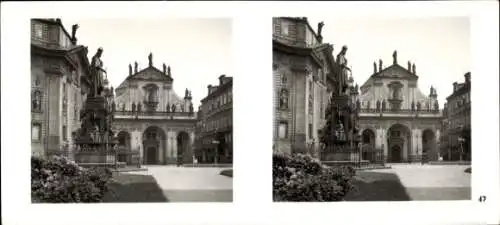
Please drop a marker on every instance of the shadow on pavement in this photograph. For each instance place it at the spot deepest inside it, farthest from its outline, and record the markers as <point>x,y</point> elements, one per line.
<point>134,188</point>
<point>374,186</point>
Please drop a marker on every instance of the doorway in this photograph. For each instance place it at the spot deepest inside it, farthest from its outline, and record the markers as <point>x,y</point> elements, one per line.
<point>396,153</point>
<point>151,153</point>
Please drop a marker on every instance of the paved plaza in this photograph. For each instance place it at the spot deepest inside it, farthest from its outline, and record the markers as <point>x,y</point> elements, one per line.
<point>413,182</point>
<point>187,184</point>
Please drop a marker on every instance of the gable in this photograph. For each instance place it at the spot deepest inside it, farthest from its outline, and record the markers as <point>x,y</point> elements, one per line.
<point>150,74</point>
<point>395,71</point>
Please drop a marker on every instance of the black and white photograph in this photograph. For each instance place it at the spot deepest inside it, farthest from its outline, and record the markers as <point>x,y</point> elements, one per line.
<point>131,110</point>
<point>374,109</point>
<point>354,112</point>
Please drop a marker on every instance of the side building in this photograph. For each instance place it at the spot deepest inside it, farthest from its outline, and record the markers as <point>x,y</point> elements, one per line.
<point>456,138</point>
<point>59,83</point>
<point>304,72</point>
<point>151,120</point>
<point>396,117</point>
<point>215,124</point>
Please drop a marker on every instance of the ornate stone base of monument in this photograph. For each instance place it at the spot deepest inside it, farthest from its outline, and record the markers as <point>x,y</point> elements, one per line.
<point>95,141</point>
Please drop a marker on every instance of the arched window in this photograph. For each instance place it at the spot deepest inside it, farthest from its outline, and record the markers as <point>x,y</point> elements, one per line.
<point>284,98</point>
<point>36,104</point>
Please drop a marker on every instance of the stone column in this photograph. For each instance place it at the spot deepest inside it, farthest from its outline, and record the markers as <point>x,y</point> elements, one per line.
<point>54,109</point>
<point>174,145</point>
<point>418,151</point>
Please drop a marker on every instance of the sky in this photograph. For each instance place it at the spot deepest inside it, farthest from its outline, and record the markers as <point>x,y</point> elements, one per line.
<point>439,47</point>
<point>197,50</point>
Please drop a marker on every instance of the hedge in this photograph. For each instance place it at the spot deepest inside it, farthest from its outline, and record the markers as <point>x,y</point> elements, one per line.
<point>300,177</point>
<point>58,180</point>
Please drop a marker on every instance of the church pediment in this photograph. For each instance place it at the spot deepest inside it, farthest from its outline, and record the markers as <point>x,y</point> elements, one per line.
<point>395,71</point>
<point>150,74</point>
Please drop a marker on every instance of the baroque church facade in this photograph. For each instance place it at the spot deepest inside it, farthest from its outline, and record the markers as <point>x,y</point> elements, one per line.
<point>395,116</point>
<point>152,121</point>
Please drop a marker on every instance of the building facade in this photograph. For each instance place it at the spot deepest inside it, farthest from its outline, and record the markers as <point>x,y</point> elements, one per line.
<point>395,116</point>
<point>456,137</point>
<point>151,120</point>
<point>215,124</point>
<point>59,83</point>
<point>303,80</point>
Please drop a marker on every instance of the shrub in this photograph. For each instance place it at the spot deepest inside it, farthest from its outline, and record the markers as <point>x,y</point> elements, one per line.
<point>61,180</point>
<point>468,170</point>
<point>227,173</point>
<point>300,177</point>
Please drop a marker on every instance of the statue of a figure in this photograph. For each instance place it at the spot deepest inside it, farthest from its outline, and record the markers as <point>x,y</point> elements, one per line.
<point>96,71</point>
<point>73,32</point>
<point>190,94</point>
<point>419,106</point>
<point>139,106</point>
<point>383,105</point>
<point>173,107</point>
<point>342,62</point>
<point>186,93</point>
<point>340,131</point>
<point>395,57</point>
<point>136,66</point>
<point>164,68</point>
<point>133,106</point>
<point>168,107</point>
<point>150,58</point>
<point>378,104</point>
<point>379,65</point>
<point>320,27</point>
<point>168,70</point>
<point>436,105</point>
<point>374,67</point>
<point>412,106</point>
<point>130,69</point>
<point>409,66</point>
<point>414,69</point>
<point>284,99</point>
<point>191,108</point>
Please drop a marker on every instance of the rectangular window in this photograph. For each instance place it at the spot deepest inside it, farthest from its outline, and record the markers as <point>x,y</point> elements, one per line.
<point>36,132</point>
<point>283,130</point>
<point>38,30</point>
<point>310,130</point>
<point>65,133</point>
<point>284,28</point>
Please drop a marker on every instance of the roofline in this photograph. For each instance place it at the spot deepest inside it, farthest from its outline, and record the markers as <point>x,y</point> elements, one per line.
<point>225,85</point>
<point>54,22</point>
<point>296,50</point>
<point>302,19</point>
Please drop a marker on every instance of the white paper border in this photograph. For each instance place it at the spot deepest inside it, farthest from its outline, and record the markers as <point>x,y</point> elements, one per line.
<point>253,118</point>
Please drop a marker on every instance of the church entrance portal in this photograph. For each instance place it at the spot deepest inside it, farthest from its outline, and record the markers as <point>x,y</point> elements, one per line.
<point>151,153</point>
<point>396,153</point>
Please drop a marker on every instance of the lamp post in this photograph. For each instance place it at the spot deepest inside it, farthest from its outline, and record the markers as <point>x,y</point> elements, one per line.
<point>216,142</point>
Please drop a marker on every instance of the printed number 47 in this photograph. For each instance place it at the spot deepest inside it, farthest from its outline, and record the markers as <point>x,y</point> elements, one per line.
<point>482,198</point>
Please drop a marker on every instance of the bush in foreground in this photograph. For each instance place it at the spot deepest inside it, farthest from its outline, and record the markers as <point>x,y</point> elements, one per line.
<point>227,173</point>
<point>468,170</point>
<point>60,180</point>
<point>299,177</point>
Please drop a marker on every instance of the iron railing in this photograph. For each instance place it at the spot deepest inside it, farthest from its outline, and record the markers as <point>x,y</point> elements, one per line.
<point>389,110</point>
<point>153,113</point>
